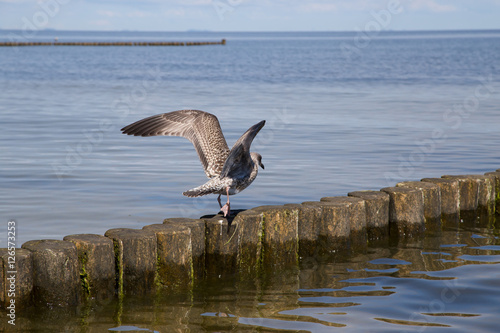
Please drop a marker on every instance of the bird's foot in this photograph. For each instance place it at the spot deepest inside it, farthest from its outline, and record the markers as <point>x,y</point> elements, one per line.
<point>226,210</point>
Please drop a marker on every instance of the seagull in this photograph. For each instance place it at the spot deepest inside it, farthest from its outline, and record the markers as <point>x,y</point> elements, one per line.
<point>229,171</point>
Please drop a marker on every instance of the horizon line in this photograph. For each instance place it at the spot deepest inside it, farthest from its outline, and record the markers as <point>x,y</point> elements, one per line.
<point>260,31</point>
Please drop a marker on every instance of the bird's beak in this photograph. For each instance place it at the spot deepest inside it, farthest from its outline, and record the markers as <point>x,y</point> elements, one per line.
<point>262,166</point>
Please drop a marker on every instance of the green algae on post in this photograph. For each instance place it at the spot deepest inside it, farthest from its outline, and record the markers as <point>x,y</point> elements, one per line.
<point>280,235</point>
<point>197,228</point>
<point>174,256</point>
<point>97,264</point>
<point>135,252</point>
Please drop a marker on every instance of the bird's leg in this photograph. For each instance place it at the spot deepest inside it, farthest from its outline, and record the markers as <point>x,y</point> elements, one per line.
<point>218,199</point>
<point>226,209</point>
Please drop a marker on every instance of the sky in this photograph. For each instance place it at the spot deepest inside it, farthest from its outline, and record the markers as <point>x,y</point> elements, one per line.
<point>249,15</point>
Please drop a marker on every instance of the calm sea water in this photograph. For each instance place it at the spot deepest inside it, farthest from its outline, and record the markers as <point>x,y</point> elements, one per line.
<point>337,121</point>
<point>341,116</point>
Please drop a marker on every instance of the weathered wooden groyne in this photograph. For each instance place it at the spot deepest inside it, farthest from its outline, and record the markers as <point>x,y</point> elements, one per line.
<point>157,43</point>
<point>175,255</point>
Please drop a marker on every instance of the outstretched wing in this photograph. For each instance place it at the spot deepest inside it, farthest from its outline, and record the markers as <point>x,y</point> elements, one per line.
<point>199,127</point>
<point>239,160</point>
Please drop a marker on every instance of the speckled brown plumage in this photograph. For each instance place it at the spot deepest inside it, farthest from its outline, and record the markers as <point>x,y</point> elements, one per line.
<point>199,127</point>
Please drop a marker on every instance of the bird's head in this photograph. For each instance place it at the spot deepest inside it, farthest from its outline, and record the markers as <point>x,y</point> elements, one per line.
<point>257,159</point>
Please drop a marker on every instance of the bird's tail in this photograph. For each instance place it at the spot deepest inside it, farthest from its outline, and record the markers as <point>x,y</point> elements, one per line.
<point>211,186</point>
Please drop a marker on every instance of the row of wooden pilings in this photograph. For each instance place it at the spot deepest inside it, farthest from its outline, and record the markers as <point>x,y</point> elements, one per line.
<point>178,253</point>
<point>158,43</point>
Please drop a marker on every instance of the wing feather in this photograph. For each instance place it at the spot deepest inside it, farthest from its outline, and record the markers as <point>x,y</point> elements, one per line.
<point>199,127</point>
<point>239,156</point>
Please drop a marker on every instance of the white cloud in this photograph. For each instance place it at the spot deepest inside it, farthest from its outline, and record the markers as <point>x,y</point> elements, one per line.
<point>318,7</point>
<point>138,13</point>
<point>432,6</point>
<point>196,2</point>
<point>341,5</point>
<point>101,23</point>
<point>174,12</point>
<point>108,13</point>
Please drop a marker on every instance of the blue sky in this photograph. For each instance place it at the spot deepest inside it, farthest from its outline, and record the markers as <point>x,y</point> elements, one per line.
<point>249,15</point>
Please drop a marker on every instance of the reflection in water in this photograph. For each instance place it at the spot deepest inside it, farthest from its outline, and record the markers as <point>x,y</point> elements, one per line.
<point>443,281</point>
<point>130,329</point>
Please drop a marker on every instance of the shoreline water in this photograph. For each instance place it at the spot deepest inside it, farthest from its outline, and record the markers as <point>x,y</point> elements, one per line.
<point>178,253</point>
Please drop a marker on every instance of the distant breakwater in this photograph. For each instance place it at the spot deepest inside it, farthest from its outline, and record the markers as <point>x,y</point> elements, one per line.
<point>56,43</point>
<point>175,255</point>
